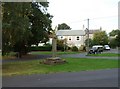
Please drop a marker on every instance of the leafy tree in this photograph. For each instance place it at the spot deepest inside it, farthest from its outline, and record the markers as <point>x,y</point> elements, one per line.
<point>90,42</point>
<point>118,39</point>
<point>63,26</point>
<point>24,24</point>
<point>41,23</point>
<point>100,38</point>
<point>113,43</point>
<point>15,26</point>
<point>114,32</point>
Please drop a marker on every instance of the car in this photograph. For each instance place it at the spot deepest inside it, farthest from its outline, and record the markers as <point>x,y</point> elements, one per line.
<point>106,47</point>
<point>96,49</point>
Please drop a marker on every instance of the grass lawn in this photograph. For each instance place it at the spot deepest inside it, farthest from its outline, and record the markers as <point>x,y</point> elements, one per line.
<point>72,65</point>
<point>105,54</point>
<point>50,52</point>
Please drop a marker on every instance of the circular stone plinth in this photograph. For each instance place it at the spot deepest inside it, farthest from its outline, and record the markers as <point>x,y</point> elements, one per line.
<point>53,60</point>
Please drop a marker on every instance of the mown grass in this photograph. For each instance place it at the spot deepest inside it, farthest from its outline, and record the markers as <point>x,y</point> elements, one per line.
<point>72,65</point>
<point>106,54</point>
<point>50,52</point>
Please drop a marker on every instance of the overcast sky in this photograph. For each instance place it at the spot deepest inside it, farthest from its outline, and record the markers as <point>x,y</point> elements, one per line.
<point>102,13</point>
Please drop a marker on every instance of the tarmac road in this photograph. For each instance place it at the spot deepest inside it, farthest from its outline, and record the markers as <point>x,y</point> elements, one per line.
<point>79,55</point>
<point>83,55</point>
<point>98,78</point>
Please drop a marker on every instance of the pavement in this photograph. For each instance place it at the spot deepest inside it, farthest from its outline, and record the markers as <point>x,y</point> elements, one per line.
<point>98,78</point>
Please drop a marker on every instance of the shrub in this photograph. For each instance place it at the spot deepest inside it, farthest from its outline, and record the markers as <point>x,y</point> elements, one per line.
<point>61,46</point>
<point>82,48</point>
<point>74,48</point>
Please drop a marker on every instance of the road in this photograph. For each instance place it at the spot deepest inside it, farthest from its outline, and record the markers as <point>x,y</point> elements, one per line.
<point>79,55</point>
<point>83,55</point>
<point>98,78</point>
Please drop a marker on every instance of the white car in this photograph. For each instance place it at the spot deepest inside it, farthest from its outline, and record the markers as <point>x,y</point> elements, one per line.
<point>96,49</point>
<point>106,47</point>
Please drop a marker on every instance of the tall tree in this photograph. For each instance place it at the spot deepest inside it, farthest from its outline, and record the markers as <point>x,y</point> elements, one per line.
<point>90,42</point>
<point>114,42</point>
<point>15,26</point>
<point>41,23</point>
<point>63,26</point>
<point>118,39</point>
<point>100,38</point>
<point>114,32</point>
<point>24,24</point>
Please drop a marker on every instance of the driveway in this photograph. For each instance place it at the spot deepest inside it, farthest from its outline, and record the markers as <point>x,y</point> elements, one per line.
<point>98,78</point>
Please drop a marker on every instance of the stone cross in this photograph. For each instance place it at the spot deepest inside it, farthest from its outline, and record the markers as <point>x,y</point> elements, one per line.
<point>54,43</point>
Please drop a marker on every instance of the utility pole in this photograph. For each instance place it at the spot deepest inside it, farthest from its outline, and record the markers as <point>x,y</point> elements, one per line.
<point>1,13</point>
<point>88,37</point>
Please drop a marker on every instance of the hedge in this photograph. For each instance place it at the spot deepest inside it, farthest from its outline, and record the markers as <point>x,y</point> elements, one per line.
<point>41,48</point>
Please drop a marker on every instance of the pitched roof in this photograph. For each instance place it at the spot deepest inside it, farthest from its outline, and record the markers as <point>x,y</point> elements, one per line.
<point>70,33</point>
<point>93,31</point>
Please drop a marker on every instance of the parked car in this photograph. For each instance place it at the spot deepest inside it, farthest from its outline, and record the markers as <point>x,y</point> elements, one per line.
<point>96,49</point>
<point>106,47</point>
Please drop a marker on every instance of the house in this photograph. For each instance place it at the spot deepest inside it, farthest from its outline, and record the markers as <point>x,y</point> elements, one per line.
<point>91,32</point>
<point>72,37</point>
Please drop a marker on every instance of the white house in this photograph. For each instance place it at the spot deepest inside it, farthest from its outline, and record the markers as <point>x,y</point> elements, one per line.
<point>91,32</point>
<point>74,37</point>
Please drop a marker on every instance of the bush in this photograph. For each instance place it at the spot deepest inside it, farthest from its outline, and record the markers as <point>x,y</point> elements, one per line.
<point>61,46</point>
<point>82,48</point>
<point>74,48</point>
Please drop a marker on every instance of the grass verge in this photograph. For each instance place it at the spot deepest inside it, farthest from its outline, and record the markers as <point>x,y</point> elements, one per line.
<point>106,54</point>
<point>73,65</point>
<point>50,52</point>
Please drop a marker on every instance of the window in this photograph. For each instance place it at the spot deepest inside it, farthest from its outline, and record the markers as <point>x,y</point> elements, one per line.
<point>61,37</point>
<point>77,37</point>
<point>69,38</point>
